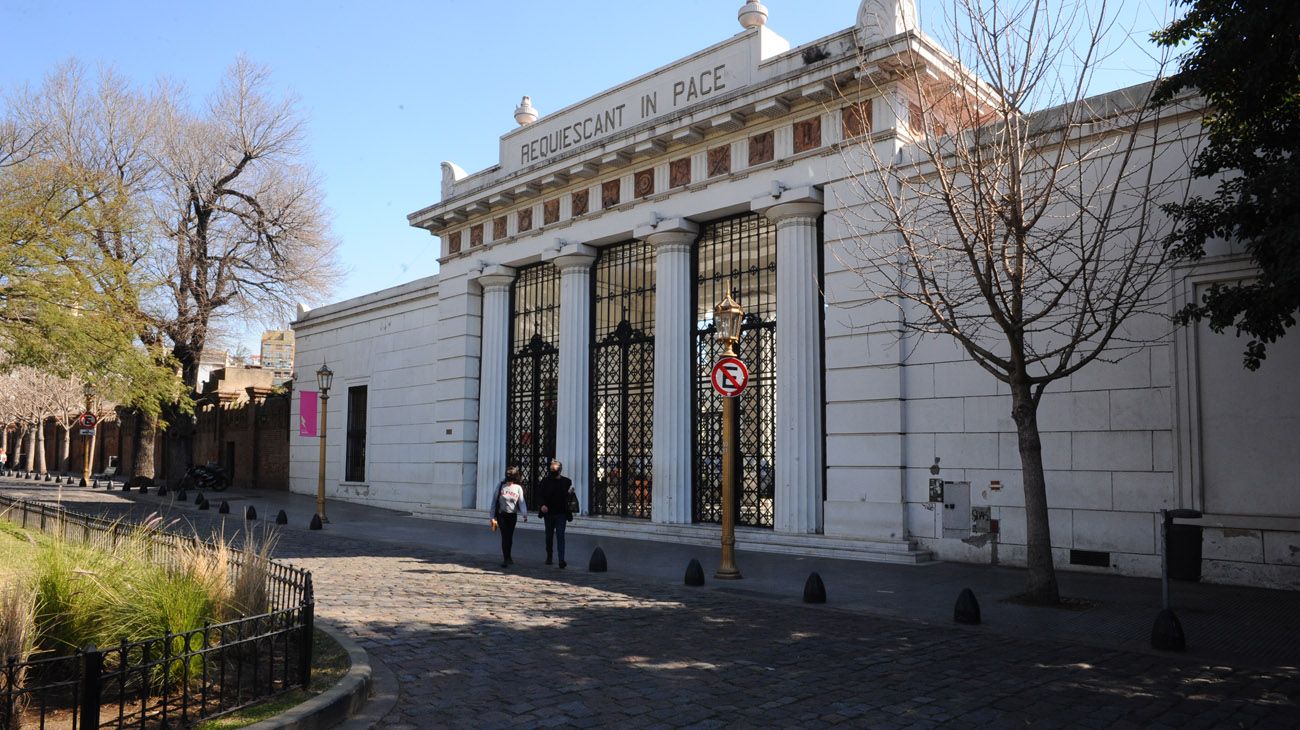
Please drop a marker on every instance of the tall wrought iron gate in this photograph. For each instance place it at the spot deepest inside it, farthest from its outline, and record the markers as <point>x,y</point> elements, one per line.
<point>622,380</point>
<point>534,372</point>
<point>737,255</point>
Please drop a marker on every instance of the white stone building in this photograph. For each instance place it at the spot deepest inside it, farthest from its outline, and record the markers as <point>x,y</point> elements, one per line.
<point>571,317</point>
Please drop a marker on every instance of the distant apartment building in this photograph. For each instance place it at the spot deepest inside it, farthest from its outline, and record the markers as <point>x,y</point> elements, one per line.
<point>277,354</point>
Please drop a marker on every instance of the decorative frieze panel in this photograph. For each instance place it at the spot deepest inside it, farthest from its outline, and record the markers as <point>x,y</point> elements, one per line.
<point>476,235</point>
<point>762,148</point>
<point>551,211</point>
<point>453,242</point>
<point>720,160</point>
<point>807,135</point>
<point>609,193</point>
<point>857,119</point>
<point>580,201</point>
<point>525,220</point>
<point>498,228</point>
<point>644,184</point>
<point>679,173</point>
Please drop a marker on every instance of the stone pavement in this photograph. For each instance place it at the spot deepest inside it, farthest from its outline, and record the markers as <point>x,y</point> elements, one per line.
<point>475,646</point>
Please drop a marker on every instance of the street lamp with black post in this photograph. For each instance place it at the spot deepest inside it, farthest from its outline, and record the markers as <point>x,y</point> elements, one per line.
<point>86,466</point>
<point>727,316</point>
<point>324,378</point>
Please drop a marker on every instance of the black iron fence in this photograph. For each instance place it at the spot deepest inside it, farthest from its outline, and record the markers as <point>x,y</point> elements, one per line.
<point>167,681</point>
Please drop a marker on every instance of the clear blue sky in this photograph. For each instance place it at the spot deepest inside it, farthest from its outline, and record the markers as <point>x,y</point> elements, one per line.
<point>392,88</point>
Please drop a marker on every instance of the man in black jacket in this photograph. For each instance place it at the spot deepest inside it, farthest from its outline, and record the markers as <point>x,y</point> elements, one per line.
<point>553,496</point>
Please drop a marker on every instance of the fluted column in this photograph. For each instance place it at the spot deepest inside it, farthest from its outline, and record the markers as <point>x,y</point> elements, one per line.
<point>799,457</point>
<point>573,427</point>
<point>673,240</point>
<point>494,374</point>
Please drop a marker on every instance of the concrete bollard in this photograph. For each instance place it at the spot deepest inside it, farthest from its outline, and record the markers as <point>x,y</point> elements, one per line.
<point>315,522</point>
<point>598,563</point>
<point>814,590</point>
<point>967,610</point>
<point>1167,632</point>
<point>694,573</point>
<point>282,518</point>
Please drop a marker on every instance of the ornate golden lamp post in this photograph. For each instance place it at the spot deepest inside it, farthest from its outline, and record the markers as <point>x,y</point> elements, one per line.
<point>87,390</point>
<point>727,317</point>
<point>324,378</point>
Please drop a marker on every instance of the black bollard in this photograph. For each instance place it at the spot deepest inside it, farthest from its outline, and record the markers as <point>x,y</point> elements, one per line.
<point>203,503</point>
<point>814,590</point>
<point>598,563</point>
<point>250,513</point>
<point>49,477</point>
<point>967,610</point>
<point>224,509</point>
<point>181,496</point>
<point>315,522</point>
<point>198,498</point>
<point>95,484</point>
<point>144,488</point>
<point>282,518</point>
<point>694,573</point>
<point>1167,632</point>
<point>162,490</point>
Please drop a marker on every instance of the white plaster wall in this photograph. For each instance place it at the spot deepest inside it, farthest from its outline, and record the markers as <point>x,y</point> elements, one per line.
<point>384,341</point>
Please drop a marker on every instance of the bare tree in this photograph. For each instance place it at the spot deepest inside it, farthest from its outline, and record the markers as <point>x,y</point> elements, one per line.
<point>1017,215</point>
<point>242,217</point>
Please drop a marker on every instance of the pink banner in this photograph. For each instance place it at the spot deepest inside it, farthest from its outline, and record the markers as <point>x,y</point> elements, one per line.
<point>307,414</point>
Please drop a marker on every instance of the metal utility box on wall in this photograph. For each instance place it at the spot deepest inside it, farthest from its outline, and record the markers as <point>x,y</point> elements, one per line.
<point>956,509</point>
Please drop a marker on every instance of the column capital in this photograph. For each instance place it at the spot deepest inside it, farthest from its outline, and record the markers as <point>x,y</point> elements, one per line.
<point>573,256</point>
<point>667,232</point>
<point>495,276</point>
<point>783,204</point>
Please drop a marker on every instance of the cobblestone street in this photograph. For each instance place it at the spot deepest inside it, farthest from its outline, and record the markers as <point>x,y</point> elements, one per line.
<point>474,646</point>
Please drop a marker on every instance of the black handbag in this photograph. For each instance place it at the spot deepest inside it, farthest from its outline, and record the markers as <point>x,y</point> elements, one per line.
<point>572,505</point>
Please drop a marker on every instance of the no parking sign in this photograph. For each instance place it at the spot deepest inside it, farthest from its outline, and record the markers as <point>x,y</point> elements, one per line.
<point>729,376</point>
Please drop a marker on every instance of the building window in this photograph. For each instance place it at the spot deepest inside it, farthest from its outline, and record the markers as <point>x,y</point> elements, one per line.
<point>807,135</point>
<point>534,372</point>
<point>550,211</point>
<point>609,193</point>
<point>679,173</point>
<point>622,380</point>
<point>644,183</point>
<point>356,451</point>
<point>720,160</point>
<point>476,235</point>
<point>857,119</point>
<point>762,148</point>
<point>581,202</point>
<point>737,255</point>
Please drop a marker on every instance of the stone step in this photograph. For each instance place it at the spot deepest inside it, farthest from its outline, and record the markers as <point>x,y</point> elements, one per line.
<point>904,552</point>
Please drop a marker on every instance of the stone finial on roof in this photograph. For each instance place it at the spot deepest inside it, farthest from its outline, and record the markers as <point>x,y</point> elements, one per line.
<point>525,113</point>
<point>881,19</point>
<point>752,15</point>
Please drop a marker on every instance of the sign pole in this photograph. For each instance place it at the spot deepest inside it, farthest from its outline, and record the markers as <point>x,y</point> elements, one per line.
<point>727,570</point>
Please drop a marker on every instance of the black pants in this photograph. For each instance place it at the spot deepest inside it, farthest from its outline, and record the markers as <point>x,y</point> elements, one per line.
<point>555,533</point>
<point>506,523</point>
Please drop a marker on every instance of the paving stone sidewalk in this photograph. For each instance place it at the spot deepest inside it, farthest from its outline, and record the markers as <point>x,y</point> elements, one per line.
<point>475,646</point>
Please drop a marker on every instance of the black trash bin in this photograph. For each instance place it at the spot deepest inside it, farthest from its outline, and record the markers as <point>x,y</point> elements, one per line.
<point>1183,548</point>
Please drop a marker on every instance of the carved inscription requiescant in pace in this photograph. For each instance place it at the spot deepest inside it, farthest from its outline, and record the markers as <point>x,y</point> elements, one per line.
<point>659,95</point>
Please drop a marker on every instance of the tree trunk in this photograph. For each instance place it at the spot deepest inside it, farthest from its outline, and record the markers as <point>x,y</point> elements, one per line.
<point>1042,586</point>
<point>40,447</point>
<point>30,446</point>
<point>65,454</point>
<point>146,432</point>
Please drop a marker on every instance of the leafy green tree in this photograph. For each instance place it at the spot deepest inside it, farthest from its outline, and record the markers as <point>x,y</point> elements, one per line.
<point>1245,59</point>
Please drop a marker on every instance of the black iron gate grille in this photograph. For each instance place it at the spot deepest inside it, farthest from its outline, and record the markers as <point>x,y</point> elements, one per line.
<point>534,372</point>
<point>622,380</point>
<point>737,255</point>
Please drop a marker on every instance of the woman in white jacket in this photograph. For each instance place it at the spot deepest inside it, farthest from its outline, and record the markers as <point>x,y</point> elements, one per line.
<point>507,507</point>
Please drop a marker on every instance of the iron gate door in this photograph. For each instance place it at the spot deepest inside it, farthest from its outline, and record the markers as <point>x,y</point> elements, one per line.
<point>534,374</point>
<point>622,381</point>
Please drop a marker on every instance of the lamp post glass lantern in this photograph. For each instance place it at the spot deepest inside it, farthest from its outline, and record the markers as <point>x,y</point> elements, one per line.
<point>324,379</point>
<point>727,317</point>
<point>86,466</point>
